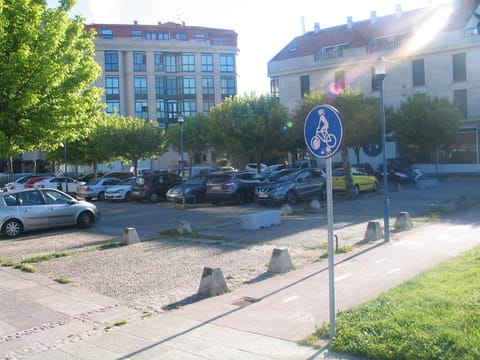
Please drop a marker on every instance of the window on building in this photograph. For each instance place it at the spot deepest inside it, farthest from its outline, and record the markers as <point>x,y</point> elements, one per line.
<point>150,35</point>
<point>141,109</point>
<point>139,61</point>
<point>113,106</point>
<point>188,62</point>
<point>460,97</point>
<point>227,63</point>
<point>159,86</point>
<point>274,87</point>
<point>207,62</point>
<point>170,63</point>
<point>304,85</point>
<point>418,72</point>
<point>189,108</point>
<point>158,59</point>
<point>459,67</point>
<point>217,41</point>
<point>460,148</point>
<point>172,86</point>
<point>208,89</point>
<point>161,110</point>
<point>172,111</point>
<point>227,86</point>
<point>106,33</point>
<point>208,105</point>
<point>112,88</point>
<point>140,85</point>
<point>111,61</point>
<point>163,35</point>
<point>189,85</point>
<point>181,36</point>
<point>136,34</point>
<point>339,80</point>
<point>200,37</point>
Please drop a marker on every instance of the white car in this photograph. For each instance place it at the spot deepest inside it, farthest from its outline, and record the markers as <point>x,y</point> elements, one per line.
<point>64,183</point>
<point>122,191</point>
<point>18,184</point>
<point>252,167</point>
<point>96,188</point>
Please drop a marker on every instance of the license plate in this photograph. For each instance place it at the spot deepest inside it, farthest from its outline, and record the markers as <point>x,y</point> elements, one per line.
<point>262,195</point>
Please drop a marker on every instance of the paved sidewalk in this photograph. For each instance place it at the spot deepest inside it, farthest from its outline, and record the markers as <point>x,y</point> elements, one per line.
<point>42,319</point>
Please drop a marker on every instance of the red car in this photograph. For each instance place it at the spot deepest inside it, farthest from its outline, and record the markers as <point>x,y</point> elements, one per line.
<point>33,180</point>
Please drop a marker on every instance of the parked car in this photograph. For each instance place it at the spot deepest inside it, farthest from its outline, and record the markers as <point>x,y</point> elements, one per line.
<point>236,186</point>
<point>154,187</point>
<point>19,183</point>
<point>31,182</point>
<point>122,175</point>
<point>64,183</point>
<point>195,171</point>
<point>194,189</point>
<point>89,176</point>
<point>95,188</point>
<point>253,167</point>
<point>361,181</point>
<point>292,185</point>
<point>121,191</point>
<point>32,209</point>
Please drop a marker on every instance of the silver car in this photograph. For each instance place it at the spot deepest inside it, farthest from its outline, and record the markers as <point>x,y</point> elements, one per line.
<point>32,209</point>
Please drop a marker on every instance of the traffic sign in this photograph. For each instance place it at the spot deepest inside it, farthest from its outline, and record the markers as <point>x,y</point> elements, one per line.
<point>323,131</point>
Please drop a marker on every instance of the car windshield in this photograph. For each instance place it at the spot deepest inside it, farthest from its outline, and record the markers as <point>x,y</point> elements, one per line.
<point>284,175</point>
<point>130,181</point>
<point>93,181</point>
<point>195,181</point>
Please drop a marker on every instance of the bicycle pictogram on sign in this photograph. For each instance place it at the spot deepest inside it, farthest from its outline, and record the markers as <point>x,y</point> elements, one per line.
<point>323,131</point>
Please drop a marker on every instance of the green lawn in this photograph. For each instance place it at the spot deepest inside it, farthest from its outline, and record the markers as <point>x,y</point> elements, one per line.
<point>434,316</point>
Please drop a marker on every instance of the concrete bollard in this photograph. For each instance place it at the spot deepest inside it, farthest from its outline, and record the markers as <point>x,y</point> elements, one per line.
<point>286,210</point>
<point>315,205</point>
<point>130,236</point>
<point>280,261</point>
<point>212,282</point>
<point>373,232</point>
<point>403,221</point>
<point>184,227</point>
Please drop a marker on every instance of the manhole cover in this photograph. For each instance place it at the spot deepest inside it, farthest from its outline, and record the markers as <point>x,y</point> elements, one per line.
<point>244,301</point>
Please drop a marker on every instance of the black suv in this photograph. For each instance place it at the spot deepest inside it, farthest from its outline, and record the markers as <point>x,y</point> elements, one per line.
<point>154,187</point>
<point>236,186</point>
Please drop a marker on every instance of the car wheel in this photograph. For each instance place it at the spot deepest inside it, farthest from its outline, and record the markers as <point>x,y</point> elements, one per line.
<point>154,198</point>
<point>291,198</point>
<point>85,220</point>
<point>128,196</point>
<point>356,190</point>
<point>101,196</point>
<point>12,228</point>
<point>241,198</point>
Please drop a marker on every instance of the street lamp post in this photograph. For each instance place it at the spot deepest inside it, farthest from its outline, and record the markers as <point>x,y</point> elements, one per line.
<point>181,121</point>
<point>380,74</point>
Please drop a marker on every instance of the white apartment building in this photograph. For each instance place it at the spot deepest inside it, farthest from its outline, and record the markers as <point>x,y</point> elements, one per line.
<point>158,71</point>
<point>434,50</point>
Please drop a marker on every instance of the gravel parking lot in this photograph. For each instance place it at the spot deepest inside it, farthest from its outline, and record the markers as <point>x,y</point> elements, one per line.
<point>164,271</point>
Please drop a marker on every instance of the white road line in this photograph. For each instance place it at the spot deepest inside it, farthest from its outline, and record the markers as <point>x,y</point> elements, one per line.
<point>290,298</point>
<point>379,261</point>
<point>393,271</point>
<point>342,277</point>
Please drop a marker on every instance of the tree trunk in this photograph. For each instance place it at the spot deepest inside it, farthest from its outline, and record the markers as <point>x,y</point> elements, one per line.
<point>347,172</point>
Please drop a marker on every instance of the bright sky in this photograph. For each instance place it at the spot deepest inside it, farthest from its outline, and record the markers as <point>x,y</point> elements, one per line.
<point>264,27</point>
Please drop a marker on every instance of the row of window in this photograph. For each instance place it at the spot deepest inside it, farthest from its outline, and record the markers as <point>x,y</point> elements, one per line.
<point>171,86</point>
<point>171,62</point>
<point>108,33</point>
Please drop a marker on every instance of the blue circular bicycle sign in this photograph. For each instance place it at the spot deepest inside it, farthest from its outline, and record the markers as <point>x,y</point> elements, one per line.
<point>323,131</point>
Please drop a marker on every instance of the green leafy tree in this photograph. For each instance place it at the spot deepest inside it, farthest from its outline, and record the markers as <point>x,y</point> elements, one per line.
<point>425,122</point>
<point>138,139</point>
<point>47,69</point>
<point>248,127</point>
<point>196,135</point>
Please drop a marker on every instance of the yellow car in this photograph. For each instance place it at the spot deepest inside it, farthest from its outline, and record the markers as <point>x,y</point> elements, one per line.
<point>361,181</point>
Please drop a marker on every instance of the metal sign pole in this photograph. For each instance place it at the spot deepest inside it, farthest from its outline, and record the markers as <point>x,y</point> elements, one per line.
<point>331,248</point>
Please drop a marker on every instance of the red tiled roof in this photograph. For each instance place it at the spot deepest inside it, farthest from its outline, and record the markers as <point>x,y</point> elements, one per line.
<point>362,32</point>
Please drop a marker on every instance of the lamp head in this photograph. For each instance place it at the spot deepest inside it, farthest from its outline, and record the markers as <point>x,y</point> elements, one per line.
<point>380,71</point>
<point>180,118</point>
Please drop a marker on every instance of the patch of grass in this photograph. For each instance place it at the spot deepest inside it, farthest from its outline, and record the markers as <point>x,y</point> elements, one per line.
<point>63,281</point>
<point>434,316</point>
<point>340,250</point>
<point>25,268</point>
<point>170,233</point>
<point>7,263</point>
<point>117,323</point>
<point>316,247</point>
<point>109,245</point>
<point>37,259</point>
